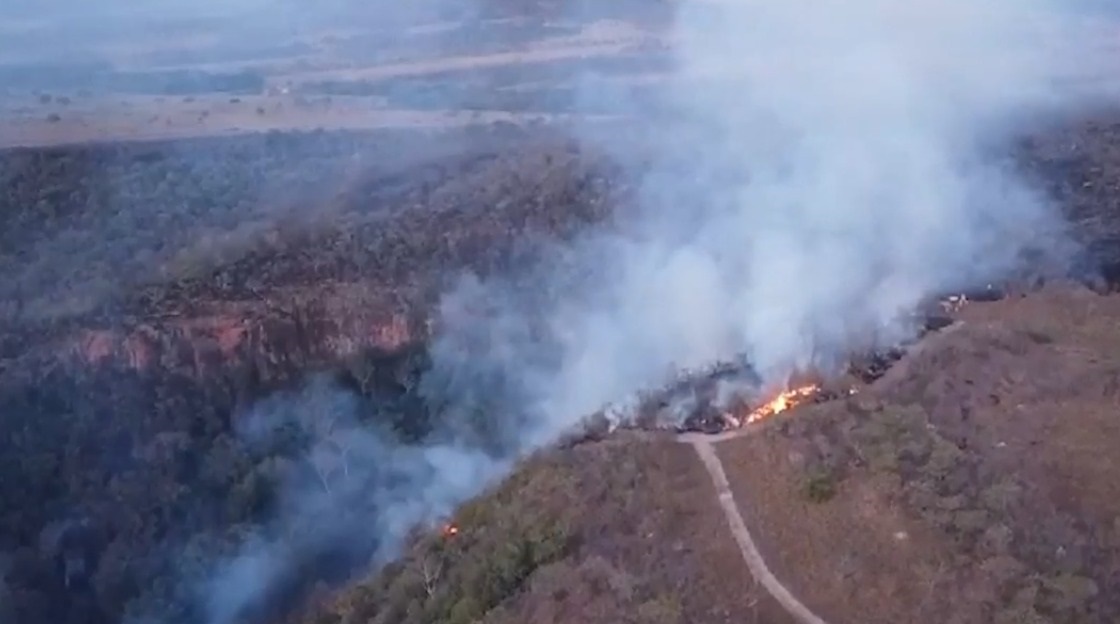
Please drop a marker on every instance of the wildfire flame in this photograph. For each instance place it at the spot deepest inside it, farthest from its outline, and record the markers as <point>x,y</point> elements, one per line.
<point>450,530</point>
<point>785,400</point>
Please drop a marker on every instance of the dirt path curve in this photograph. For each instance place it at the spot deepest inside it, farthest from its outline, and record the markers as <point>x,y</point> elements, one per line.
<point>747,547</point>
<point>704,445</point>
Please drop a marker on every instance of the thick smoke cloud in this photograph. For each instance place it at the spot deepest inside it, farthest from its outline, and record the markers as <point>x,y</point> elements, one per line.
<point>356,483</point>
<point>820,170</point>
<point>838,168</point>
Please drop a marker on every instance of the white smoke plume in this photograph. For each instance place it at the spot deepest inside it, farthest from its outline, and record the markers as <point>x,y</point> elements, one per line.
<point>824,167</point>
<point>821,169</point>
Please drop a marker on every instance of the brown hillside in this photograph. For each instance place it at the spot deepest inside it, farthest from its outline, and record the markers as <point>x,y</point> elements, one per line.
<point>975,482</point>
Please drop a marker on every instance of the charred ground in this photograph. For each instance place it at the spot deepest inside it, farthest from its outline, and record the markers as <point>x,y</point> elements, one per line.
<point>121,402</point>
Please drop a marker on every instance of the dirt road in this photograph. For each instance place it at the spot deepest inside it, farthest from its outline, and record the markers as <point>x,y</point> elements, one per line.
<point>704,444</point>
<point>742,534</point>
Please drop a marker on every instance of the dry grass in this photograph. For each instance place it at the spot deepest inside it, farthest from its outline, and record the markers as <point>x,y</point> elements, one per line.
<point>854,557</point>
<point>976,483</point>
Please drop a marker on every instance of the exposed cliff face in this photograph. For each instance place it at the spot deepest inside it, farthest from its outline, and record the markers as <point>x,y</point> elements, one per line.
<point>145,389</point>
<point>298,337</point>
<point>362,269</point>
<point>309,292</point>
<point>127,410</point>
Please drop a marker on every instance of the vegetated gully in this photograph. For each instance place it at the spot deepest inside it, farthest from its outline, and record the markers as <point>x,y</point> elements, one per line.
<point>109,394</point>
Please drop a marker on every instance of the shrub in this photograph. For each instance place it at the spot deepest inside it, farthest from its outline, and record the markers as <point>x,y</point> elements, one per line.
<point>819,486</point>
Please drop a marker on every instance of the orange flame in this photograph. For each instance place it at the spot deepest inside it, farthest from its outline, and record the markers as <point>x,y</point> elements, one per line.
<point>450,530</point>
<point>784,401</point>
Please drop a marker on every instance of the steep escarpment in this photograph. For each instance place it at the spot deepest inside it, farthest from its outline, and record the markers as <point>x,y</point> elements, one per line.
<point>125,443</point>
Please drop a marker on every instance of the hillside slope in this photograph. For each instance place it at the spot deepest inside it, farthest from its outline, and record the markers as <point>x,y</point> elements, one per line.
<point>975,482</point>
<point>150,455</point>
<point>626,529</point>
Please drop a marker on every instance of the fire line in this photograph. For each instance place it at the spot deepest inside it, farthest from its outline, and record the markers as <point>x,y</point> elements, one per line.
<point>784,401</point>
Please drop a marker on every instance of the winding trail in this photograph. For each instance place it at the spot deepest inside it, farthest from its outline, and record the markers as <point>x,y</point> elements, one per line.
<point>751,555</point>
<point>704,445</point>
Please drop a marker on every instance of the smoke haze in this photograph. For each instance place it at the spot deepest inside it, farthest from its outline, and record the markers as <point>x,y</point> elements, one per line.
<point>819,170</point>
<point>358,491</point>
<point>141,69</point>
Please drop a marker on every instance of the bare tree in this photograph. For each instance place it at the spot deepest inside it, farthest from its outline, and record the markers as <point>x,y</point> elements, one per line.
<point>332,447</point>
<point>431,573</point>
